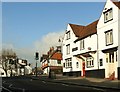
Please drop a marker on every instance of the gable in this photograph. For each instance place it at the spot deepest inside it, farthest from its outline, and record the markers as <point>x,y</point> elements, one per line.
<point>76,29</point>
<point>110,4</point>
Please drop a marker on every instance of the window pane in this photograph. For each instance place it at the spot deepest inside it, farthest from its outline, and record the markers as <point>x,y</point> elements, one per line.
<point>112,56</point>
<point>68,49</point>
<point>111,37</point>
<point>107,38</point>
<point>90,62</point>
<point>106,16</point>
<point>110,14</point>
<point>81,44</point>
<point>106,57</point>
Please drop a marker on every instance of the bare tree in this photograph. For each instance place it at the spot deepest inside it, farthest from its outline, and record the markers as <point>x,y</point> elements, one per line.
<point>7,54</point>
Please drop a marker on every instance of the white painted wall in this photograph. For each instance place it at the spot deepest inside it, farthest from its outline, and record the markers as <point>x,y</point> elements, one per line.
<point>101,28</point>
<point>119,38</point>
<point>54,63</point>
<point>90,41</point>
<point>28,69</point>
<point>46,70</point>
<point>74,67</point>
<point>72,45</point>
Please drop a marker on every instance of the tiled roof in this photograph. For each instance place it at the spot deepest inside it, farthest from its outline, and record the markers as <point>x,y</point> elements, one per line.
<point>76,29</point>
<point>88,30</point>
<point>84,31</point>
<point>57,56</point>
<point>116,3</point>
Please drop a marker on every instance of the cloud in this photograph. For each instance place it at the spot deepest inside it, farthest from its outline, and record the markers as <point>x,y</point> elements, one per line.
<point>47,41</point>
<point>41,45</point>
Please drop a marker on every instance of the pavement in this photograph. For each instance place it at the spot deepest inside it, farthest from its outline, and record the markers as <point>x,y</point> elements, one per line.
<point>82,81</point>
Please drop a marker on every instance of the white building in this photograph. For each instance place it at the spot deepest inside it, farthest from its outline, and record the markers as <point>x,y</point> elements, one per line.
<point>93,50</point>
<point>79,45</point>
<point>2,72</point>
<point>108,30</point>
<point>69,61</point>
<point>52,62</point>
<point>28,70</point>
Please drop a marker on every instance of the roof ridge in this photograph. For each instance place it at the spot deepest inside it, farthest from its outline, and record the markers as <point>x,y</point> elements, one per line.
<point>75,24</point>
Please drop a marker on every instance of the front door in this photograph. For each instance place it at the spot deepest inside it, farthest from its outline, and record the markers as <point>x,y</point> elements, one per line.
<point>83,69</point>
<point>110,65</point>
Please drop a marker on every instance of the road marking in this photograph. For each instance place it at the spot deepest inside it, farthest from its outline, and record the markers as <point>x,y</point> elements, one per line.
<point>6,89</point>
<point>43,81</point>
<point>10,85</point>
<point>99,89</point>
<point>65,85</point>
<point>23,90</point>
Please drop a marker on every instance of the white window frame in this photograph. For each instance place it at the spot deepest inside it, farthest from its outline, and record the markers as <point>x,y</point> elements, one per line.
<point>108,15</point>
<point>68,49</point>
<point>68,62</point>
<point>68,35</point>
<point>109,37</point>
<point>82,46</point>
<point>90,62</point>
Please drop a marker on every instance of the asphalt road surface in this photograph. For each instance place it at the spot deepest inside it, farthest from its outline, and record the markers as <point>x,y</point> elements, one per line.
<point>25,84</point>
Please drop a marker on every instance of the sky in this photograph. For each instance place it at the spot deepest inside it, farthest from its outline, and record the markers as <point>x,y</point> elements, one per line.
<point>28,27</point>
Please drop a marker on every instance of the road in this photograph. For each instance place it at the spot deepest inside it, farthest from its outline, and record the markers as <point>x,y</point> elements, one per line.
<point>25,84</point>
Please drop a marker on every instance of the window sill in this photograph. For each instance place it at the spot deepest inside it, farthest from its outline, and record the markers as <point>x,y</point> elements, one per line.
<point>108,20</point>
<point>90,66</point>
<point>109,44</point>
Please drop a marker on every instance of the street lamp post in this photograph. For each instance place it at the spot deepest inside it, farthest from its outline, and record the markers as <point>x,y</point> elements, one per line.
<point>36,68</point>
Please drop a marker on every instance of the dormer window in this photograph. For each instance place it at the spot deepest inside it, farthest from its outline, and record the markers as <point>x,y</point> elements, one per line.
<point>68,35</point>
<point>108,15</point>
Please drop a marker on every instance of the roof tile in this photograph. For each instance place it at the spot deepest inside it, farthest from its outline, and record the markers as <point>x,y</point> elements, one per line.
<point>84,31</point>
<point>57,56</point>
<point>117,3</point>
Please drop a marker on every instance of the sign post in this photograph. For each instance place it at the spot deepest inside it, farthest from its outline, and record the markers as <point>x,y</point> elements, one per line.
<point>36,58</point>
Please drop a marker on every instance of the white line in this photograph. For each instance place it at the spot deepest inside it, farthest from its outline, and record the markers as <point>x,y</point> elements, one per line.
<point>65,85</point>
<point>17,88</point>
<point>43,81</point>
<point>6,89</point>
<point>10,85</point>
